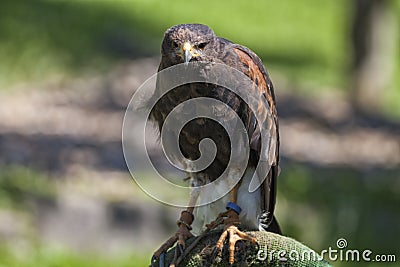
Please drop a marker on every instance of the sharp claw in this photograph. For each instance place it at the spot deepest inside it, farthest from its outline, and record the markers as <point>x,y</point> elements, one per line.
<point>180,246</point>
<point>162,260</point>
<point>214,254</point>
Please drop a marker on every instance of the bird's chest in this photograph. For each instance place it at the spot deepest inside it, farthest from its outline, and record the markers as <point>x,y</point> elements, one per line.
<point>205,121</point>
<point>201,111</point>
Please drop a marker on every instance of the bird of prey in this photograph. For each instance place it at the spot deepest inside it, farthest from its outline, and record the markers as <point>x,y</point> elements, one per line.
<point>186,43</point>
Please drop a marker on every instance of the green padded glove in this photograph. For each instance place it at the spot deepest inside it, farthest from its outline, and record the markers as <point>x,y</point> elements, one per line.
<point>248,254</point>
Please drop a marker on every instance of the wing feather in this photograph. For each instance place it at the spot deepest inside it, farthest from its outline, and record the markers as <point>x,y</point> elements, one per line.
<point>253,68</point>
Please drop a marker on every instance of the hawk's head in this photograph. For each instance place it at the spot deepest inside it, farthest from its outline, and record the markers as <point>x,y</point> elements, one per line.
<point>185,42</point>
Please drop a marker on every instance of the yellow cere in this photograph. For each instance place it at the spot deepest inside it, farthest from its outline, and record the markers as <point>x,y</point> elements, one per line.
<point>187,46</point>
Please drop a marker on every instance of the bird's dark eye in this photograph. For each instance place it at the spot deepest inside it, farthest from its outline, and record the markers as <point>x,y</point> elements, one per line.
<point>174,44</point>
<point>202,45</point>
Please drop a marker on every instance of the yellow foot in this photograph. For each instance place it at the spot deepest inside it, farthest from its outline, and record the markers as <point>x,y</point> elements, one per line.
<point>232,219</point>
<point>179,238</point>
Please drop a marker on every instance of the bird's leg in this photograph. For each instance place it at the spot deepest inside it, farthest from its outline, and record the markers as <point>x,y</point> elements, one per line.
<point>184,226</point>
<point>231,220</point>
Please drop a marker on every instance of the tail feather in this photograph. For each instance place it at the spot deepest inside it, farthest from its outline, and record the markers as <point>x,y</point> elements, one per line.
<point>272,227</point>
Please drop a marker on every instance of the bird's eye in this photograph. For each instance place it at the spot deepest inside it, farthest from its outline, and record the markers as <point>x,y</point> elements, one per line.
<point>202,45</point>
<point>174,44</point>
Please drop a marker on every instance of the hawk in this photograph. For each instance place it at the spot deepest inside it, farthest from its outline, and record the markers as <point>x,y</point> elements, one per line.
<point>251,210</point>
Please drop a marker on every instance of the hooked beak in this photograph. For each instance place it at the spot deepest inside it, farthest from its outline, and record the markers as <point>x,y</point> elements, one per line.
<point>188,52</point>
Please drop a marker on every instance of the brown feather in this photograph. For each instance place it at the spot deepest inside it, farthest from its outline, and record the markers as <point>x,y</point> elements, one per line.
<point>255,70</point>
<point>220,50</point>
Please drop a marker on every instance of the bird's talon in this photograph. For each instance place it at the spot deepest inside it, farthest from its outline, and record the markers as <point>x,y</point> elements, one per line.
<point>214,254</point>
<point>234,235</point>
<point>179,238</point>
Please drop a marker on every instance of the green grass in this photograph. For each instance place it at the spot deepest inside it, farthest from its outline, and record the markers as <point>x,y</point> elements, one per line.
<point>43,39</point>
<point>56,37</point>
<point>50,257</point>
<point>318,206</point>
<point>307,43</point>
<point>20,189</point>
<point>60,36</point>
<point>20,185</point>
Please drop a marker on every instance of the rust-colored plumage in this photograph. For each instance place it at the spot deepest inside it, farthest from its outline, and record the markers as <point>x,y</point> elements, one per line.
<point>207,47</point>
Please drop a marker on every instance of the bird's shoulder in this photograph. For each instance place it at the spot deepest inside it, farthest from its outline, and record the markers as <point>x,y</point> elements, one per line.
<point>245,60</point>
<point>239,56</point>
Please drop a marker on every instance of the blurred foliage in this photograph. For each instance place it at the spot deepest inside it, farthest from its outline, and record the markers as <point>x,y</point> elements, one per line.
<point>320,205</point>
<point>392,107</point>
<point>51,257</point>
<point>45,38</point>
<point>48,37</point>
<point>308,44</point>
<point>20,185</point>
<point>269,33</point>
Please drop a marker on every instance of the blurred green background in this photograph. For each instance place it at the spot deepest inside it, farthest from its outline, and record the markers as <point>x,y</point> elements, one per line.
<point>68,69</point>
